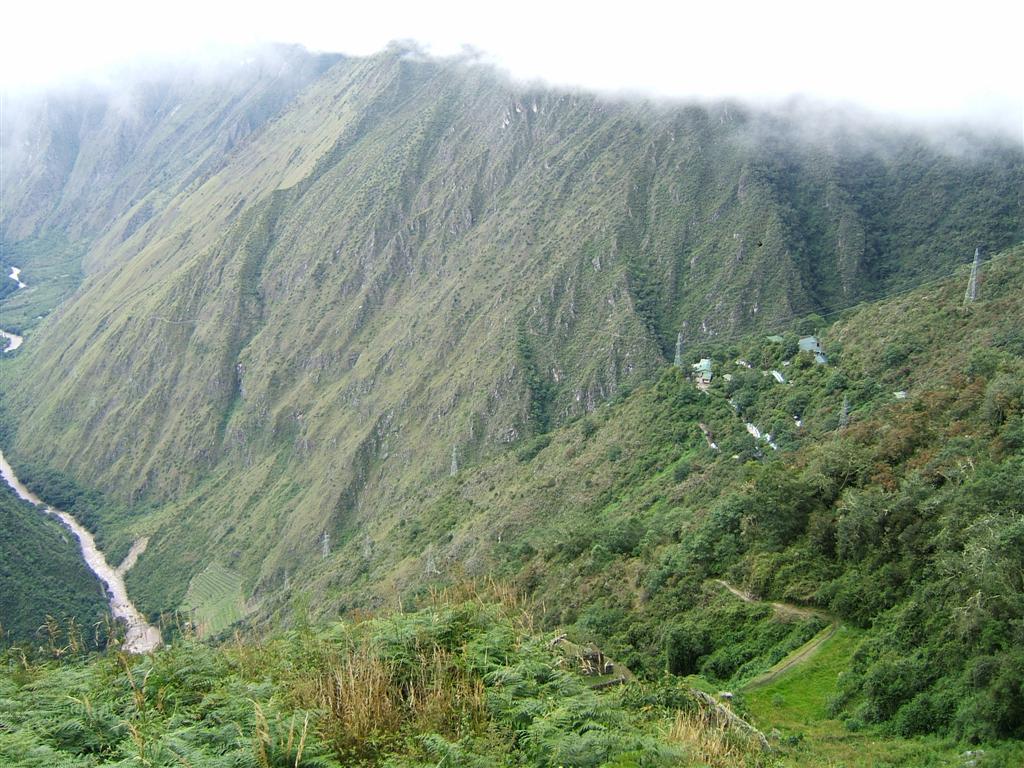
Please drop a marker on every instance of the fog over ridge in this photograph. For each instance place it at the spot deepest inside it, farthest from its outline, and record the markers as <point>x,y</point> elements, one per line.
<point>912,62</point>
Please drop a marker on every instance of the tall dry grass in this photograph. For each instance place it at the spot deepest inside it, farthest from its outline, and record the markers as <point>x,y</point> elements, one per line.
<point>488,591</point>
<point>273,749</point>
<point>713,740</point>
<point>369,700</point>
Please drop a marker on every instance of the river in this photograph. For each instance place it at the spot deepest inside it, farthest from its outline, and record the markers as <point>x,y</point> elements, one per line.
<point>16,277</point>
<point>13,340</point>
<point>140,636</point>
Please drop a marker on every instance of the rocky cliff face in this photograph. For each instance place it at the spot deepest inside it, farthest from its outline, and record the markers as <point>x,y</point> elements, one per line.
<point>308,288</point>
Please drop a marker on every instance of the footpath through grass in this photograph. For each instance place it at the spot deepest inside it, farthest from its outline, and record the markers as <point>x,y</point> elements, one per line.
<point>793,708</point>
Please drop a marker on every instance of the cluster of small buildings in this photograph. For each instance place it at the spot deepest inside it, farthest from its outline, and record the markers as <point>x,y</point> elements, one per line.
<point>703,373</point>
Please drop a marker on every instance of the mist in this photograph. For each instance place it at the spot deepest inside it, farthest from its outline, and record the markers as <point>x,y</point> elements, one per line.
<point>907,61</point>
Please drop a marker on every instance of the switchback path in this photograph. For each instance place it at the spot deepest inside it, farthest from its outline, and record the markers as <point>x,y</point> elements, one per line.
<point>783,610</point>
<point>787,610</point>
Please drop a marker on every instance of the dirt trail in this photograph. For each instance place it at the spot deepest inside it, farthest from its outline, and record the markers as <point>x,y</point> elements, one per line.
<point>782,610</point>
<point>787,611</point>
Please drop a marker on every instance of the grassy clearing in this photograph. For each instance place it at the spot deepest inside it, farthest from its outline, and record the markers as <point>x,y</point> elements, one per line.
<point>794,708</point>
<point>800,656</point>
<point>800,698</point>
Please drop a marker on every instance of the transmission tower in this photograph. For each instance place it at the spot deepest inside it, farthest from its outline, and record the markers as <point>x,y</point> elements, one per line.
<point>325,543</point>
<point>844,415</point>
<point>678,362</point>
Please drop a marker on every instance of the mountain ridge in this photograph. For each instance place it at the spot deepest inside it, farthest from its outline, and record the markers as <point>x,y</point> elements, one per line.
<point>404,262</point>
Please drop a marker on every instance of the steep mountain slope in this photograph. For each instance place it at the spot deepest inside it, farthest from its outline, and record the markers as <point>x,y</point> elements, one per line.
<point>95,158</point>
<point>86,168</point>
<point>416,264</point>
<point>906,522</point>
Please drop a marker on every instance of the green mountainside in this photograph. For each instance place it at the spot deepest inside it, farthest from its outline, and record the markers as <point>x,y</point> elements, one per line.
<point>856,590</point>
<point>378,326</point>
<point>414,261</point>
<point>906,521</point>
<point>87,160</point>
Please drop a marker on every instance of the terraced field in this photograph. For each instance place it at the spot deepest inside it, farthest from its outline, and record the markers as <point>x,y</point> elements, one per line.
<point>215,599</point>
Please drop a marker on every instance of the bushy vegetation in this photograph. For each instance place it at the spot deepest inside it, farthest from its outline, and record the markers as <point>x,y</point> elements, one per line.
<point>297,327</point>
<point>905,521</point>
<point>631,530</point>
<point>466,682</point>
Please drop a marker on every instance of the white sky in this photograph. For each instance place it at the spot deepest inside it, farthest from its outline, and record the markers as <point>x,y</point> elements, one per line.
<point>930,60</point>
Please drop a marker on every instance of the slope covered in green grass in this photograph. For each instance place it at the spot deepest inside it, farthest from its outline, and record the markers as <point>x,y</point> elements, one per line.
<point>350,277</point>
<point>214,600</point>
<point>904,522</point>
